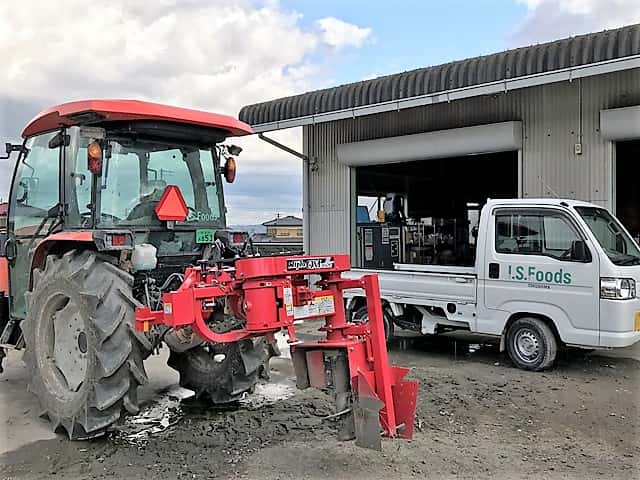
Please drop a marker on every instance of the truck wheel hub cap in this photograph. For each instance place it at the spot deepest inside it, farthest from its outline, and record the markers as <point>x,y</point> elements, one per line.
<point>70,345</point>
<point>527,345</point>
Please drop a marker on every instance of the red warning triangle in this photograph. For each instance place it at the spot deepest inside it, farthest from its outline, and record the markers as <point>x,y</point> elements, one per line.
<point>172,206</point>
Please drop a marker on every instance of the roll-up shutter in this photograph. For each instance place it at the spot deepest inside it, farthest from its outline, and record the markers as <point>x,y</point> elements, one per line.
<point>495,137</point>
<point>620,123</point>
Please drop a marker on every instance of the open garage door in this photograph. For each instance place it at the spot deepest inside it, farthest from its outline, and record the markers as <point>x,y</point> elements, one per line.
<point>622,126</point>
<point>437,205</point>
<point>431,187</point>
<point>627,191</point>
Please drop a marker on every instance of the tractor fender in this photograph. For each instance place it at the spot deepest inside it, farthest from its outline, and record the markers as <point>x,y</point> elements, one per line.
<point>62,242</point>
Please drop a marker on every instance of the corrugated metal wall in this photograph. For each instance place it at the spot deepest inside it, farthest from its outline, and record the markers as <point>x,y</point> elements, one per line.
<point>555,117</point>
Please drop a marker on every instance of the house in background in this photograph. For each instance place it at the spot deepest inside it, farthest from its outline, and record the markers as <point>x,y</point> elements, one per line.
<point>283,237</point>
<point>288,227</point>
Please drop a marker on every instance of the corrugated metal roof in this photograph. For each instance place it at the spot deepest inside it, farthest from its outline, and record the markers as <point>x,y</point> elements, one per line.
<point>520,62</point>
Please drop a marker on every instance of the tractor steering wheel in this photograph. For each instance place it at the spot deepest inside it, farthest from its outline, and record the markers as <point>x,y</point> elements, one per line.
<point>86,217</point>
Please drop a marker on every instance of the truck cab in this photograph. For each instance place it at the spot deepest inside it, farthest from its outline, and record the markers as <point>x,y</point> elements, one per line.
<point>548,273</point>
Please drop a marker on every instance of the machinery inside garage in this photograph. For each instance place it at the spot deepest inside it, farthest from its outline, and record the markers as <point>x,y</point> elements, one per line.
<point>627,192</point>
<point>426,212</point>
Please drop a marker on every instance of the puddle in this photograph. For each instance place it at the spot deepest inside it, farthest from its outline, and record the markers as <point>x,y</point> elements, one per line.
<point>268,394</point>
<point>164,412</point>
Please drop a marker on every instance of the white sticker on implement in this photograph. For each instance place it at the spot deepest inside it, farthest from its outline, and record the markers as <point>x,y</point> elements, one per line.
<point>318,306</point>
<point>288,301</point>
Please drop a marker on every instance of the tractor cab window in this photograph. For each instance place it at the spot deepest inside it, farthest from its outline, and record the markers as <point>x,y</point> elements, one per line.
<point>78,180</point>
<point>136,174</point>
<point>36,187</point>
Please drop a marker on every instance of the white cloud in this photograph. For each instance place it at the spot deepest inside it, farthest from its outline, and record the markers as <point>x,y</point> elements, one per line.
<point>552,19</point>
<point>216,55</point>
<point>339,34</point>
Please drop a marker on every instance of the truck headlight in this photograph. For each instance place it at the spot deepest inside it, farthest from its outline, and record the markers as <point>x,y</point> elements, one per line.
<point>617,288</point>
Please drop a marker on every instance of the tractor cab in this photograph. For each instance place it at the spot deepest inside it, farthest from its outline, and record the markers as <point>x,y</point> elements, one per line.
<point>105,165</point>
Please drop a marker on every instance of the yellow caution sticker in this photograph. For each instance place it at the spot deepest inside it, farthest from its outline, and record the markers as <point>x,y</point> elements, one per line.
<point>318,306</point>
<point>288,301</point>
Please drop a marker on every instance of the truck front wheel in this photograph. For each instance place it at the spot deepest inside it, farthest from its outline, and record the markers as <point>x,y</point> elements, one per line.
<point>531,344</point>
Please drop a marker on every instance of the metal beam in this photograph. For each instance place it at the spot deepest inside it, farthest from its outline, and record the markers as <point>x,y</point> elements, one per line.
<point>281,146</point>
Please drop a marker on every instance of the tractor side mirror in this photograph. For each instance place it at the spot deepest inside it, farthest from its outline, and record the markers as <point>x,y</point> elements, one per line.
<point>579,251</point>
<point>229,169</point>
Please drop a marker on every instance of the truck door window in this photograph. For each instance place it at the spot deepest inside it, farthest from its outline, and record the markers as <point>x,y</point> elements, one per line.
<point>518,234</point>
<point>537,233</point>
<point>558,236</point>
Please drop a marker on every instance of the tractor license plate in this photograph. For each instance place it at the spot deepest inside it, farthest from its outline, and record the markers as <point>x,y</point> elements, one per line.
<point>204,235</point>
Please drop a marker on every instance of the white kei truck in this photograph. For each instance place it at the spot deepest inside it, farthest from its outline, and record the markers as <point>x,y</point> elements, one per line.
<point>548,273</point>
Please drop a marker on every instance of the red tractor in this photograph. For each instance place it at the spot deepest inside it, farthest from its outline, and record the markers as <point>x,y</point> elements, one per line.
<point>116,243</point>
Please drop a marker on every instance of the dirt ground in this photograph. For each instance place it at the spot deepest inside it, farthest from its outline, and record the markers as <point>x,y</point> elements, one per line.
<point>477,417</point>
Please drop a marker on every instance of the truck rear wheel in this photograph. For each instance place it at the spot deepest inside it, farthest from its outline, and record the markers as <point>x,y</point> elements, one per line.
<point>531,344</point>
<point>84,359</point>
<point>361,315</point>
<point>221,372</point>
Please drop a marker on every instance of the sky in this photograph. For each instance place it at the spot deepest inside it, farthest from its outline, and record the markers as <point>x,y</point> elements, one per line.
<point>219,55</point>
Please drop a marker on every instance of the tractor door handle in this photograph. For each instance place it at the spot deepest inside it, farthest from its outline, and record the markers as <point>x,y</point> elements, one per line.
<point>10,250</point>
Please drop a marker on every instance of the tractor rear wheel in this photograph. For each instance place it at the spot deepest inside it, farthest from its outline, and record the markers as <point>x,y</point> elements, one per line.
<point>84,357</point>
<point>221,372</point>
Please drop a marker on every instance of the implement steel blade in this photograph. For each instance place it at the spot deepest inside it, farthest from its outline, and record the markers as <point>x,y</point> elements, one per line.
<point>366,411</point>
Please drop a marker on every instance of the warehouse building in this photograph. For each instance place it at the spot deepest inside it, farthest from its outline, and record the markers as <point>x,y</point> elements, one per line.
<point>560,119</point>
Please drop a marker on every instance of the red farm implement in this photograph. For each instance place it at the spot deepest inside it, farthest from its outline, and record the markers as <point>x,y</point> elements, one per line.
<point>271,294</point>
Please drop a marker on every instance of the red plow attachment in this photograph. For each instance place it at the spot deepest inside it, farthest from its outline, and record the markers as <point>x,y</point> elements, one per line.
<point>270,294</point>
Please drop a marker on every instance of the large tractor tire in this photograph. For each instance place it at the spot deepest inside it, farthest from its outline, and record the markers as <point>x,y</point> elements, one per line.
<point>221,373</point>
<point>84,357</point>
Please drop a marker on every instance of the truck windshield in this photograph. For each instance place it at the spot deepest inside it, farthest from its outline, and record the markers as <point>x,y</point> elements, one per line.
<point>611,236</point>
<point>135,175</point>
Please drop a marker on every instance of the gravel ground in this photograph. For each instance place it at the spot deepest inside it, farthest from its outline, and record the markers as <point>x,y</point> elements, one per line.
<point>477,417</point>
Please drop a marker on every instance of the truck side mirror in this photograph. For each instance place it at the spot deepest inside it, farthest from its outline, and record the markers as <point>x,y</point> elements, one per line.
<point>579,251</point>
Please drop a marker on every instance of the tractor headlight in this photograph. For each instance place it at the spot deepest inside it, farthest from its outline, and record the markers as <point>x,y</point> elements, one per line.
<point>617,288</point>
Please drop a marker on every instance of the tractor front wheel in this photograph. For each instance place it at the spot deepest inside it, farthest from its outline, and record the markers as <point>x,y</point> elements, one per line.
<point>84,358</point>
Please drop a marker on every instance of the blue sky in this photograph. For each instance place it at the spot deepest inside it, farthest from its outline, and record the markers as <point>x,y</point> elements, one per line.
<point>219,55</point>
<point>412,34</point>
